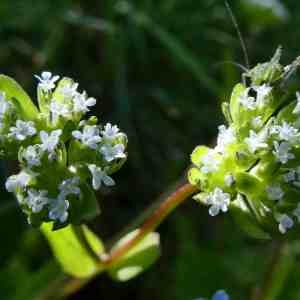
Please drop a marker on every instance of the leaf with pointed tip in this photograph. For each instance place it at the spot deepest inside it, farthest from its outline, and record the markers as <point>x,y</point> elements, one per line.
<point>15,93</point>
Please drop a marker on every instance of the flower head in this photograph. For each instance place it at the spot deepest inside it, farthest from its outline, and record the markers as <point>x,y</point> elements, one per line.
<point>36,200</point>
<point>220,295</point>
<point>256,141</point>
<point>57,174</point>
<point>82,103</point>
<point>99,176</point>
<point>32,154</point>
<point>18,181</point>
<point>47,81</point>
<point>226,137</point>
<point>210,163</point>
<point>22,130</point>
<point>286,132</point>
<point>218,201</point>
<point>110,132</point>
<point>113,152</point>
<point>69,90</point>
<point>275,192</point>
<point>58,109</point>
<point>70,186</point>
<point>89,136</point>
<point>285,223</point>
<point>282,152</point>
<point>260,169</point>
<point>50,140</point>
<point>59,209</point>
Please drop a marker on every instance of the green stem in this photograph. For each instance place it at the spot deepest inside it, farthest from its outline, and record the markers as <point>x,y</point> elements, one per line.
<point>281,262</point>
<point>71,285</point>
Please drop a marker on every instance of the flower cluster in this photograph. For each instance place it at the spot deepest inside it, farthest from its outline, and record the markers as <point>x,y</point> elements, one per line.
<point>62,156</point>
<point>254,170</point>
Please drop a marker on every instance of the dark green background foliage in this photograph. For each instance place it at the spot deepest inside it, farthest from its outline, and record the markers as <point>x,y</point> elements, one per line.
<point>160,70</point>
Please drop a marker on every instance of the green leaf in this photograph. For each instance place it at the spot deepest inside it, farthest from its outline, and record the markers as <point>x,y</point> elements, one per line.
<point>234,101</point>
<point>138,259</point>
<point>194,176</point>
<point>198,153</point>
<point>19,97</point>
<point>85,208</point>
<point>70,253</point>
<point>247,220</point>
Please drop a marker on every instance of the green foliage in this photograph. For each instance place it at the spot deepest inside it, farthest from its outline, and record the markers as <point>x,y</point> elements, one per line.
<point>164,104</point>
<point>18,96</point>
<point>138,259</point>
<point>68,249</point>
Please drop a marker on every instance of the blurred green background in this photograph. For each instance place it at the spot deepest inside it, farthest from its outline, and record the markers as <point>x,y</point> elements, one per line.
<point>160,70</point>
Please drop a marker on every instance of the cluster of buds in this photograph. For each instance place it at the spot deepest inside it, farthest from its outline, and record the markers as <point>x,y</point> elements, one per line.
<point>254,170</point>
<point>63,158</point>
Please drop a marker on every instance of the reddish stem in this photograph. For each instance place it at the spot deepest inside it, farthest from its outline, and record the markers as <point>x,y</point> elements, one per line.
<point>153,221</point>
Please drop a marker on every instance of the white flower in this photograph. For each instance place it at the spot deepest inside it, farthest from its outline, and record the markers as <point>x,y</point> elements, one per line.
<point>59,209</point>
<point>297,107</point>
<point>69,90</point>
<point>290,176</point>
<point>4,105</point>
<point>32,154</point>
<point>256,141</point>
<point>218,200</point>
<point>210,162</point>
<point>282,153</point>
<point>59,109</point>
<point>100,176</point>
<point>286,132</point>
<point>229,180</point>
<point>36,200</point>
<point>246,101</point>
<point>89,136</point>
<point>262,92</point>
<point>285,223</point>
<point>81,103</point>
<point>110,132</point>
<point>47,81</point>
<point>112,152</point>
<point>50,141</point>
<point>257,122</point>
<point>20,180</point>
<point>70,186</point>
<point>22,130</point>
<point>226,137</point>
<point>275,192</point>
